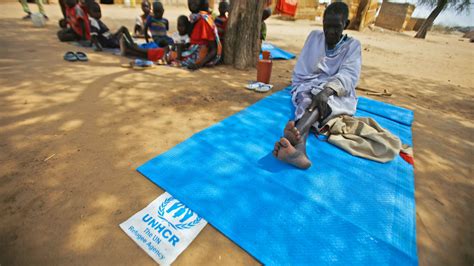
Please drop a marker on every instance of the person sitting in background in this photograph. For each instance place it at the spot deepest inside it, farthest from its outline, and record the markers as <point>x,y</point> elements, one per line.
<point>221,20</point>
<point>181,38</point>
<point>78,27</point>
<point>158,26</point>
<point>324,81</point>
<point>204,50</point>
<point>267,12</point>
<point>101,37</point>
<point>139,29</point>
<point>86,4</point>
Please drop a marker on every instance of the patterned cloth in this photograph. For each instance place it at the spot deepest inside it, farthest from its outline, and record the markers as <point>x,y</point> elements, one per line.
<point>158,27</point>
<point>75,15</point>
<point>221,24</point>
<point>204,31</point>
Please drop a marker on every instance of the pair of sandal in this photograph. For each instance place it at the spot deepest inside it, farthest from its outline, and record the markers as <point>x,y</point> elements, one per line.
<point>259,86</point>
<point>77,56</point>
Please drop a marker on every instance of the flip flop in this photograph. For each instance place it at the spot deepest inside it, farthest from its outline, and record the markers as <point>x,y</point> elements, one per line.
<point>70,56</point>
<point>81,56</point>
<point>264,88</point>
<point>138,64</point>
<point>143,63</point>
<point>253,85</point>
<point>135,67</point>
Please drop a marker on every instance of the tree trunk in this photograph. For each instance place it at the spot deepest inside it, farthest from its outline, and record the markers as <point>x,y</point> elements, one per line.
<point>431,18</point>
<point>241,46</point>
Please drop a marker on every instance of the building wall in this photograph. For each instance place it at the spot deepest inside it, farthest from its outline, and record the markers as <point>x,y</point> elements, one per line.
<point>394,16</point>
<point>353,7</point>
<point>414,24</point>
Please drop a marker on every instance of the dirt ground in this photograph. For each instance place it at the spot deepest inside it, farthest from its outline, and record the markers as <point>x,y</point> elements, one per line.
<point>96,122</point>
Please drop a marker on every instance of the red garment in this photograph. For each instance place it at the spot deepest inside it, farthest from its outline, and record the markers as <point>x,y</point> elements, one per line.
<point>287,7</point>
<point>221,24</point>
<point>84,7</point>
<point>407,157</point>
<point>74,17</point>
<point>155,54</point>
<point>202,32</point>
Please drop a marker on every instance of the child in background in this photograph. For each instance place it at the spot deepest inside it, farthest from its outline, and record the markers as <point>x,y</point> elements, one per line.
<point>158,26</point>
<point>221,20</point>
<point>267,12</point>
<point>77,22</point>
<point>101,37</point>
<point>86,4</point>
<point>138,31</point>
<point>181,38</point>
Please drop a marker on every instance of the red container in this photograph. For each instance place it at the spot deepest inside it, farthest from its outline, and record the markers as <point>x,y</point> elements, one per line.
<point>266,55</point>
<point>264,68</point>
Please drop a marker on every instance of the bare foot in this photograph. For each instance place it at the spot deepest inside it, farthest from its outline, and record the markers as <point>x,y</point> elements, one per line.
<point>291,133</point>
<point>286,152</point>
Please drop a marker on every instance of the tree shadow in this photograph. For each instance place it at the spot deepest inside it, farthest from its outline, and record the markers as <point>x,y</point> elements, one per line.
<point>442,134</point>
<point>72,135</point>
<point>100,122</point>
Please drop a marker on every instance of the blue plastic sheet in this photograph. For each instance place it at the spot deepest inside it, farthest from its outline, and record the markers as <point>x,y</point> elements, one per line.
<point>344,210</point>
<point>276,53</point>
<point>148,45</point>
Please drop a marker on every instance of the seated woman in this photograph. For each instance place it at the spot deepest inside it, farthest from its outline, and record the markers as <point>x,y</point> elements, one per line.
<point>205,48</point>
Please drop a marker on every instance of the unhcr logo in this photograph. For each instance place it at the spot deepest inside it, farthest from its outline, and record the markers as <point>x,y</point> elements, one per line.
<point>177,215</point>
<point>173,213</point>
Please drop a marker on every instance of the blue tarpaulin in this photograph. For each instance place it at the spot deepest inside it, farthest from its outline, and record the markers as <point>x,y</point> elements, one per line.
<point>343,210</point>
<point>276,53</point>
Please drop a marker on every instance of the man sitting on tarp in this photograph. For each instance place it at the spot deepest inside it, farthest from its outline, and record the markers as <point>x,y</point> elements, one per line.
<point>324,82</point>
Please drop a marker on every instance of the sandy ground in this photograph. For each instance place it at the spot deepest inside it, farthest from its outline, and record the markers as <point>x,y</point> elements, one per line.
<point>97,122</point>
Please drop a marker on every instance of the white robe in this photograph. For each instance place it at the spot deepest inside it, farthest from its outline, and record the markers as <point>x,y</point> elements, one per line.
<point>316,69</point>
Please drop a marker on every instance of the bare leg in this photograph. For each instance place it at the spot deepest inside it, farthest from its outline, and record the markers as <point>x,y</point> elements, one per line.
<point>292,148</point>
<point>123,31</point>
<point>128,47</point>
<point>67,35</point>
<point>287,153</point>
<point>303,126</point>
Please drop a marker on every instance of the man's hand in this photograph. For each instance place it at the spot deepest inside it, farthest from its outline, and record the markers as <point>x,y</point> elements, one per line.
<point>320,101</point>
